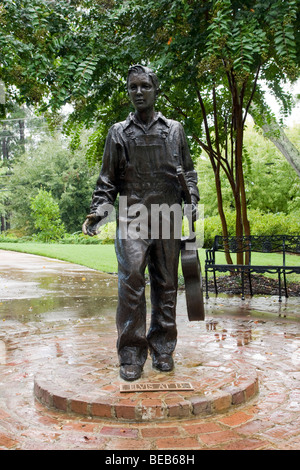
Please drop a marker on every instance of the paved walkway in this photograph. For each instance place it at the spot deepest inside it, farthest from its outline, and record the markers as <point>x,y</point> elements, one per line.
<point>57,318</point>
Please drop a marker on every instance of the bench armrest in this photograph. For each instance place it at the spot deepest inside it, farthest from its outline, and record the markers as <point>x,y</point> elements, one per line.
<point>210,256</point>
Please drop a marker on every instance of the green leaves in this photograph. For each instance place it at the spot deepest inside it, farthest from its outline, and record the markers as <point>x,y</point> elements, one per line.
<point>46,216</point>
<point>79,53</point>
<point>59,170</point>
<point>84,74</point>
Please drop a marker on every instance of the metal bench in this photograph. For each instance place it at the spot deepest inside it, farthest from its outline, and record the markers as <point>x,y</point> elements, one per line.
<point>249,244</point>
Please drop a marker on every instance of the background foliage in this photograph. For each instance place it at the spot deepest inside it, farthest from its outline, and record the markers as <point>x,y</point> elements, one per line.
<point>52,166</point>
<point>211,57</point>
<point>46,217</point>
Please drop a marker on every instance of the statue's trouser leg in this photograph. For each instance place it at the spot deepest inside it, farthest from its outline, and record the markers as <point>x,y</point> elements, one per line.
<point>131,312</point>
<point>163,271</point>
<point>133,256</point>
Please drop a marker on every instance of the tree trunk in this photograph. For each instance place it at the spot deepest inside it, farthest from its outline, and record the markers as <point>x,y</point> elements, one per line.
<point>242,223</point>
<point>276,134</point>
<point>22,134</point>
<point>3,224</point>
<point>243,200</point>
<point>221,212</point>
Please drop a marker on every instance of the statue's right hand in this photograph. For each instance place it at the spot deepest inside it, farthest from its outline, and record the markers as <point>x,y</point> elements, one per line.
<point>90,225</point>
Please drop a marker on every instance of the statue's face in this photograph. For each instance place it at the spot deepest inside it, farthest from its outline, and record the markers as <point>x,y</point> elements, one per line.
<point>141,91</point>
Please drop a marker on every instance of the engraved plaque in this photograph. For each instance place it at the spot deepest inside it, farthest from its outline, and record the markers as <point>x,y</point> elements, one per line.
<point>156,387</point>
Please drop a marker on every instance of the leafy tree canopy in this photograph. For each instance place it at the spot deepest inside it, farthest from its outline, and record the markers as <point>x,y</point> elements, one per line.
<point>78,51</point>
<point>210,56</point>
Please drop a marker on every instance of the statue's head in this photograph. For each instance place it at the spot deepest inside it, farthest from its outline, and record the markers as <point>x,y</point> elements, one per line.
<point>141,69</point>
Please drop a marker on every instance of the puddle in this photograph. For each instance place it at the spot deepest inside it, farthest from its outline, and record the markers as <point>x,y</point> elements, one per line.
<point>41,290</point>
<point>49,295</point>
<point>259,307</point>
<point>10,288</point>
<point>34,288</point>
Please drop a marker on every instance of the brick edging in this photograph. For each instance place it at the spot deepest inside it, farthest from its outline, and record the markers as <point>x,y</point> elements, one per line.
<point>139,407</point>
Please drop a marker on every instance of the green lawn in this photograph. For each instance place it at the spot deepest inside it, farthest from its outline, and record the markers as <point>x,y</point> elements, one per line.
<point>100,257</point>
<point>103,258</point>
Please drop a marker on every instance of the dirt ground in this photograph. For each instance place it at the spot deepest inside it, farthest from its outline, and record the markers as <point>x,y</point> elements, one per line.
<point>260,284</point>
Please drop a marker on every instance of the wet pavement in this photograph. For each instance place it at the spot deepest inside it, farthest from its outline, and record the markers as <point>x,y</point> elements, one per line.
<point>59,383</point>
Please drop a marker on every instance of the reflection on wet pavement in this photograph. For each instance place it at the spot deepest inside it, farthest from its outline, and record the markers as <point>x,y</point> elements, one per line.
<point>34,288</point>
<point>52,290</point>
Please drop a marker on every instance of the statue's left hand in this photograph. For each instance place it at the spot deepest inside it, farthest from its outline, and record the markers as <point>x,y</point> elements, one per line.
<point>90,225</point>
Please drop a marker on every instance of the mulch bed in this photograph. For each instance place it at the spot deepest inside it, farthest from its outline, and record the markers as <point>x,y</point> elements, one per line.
<point>260,285</point>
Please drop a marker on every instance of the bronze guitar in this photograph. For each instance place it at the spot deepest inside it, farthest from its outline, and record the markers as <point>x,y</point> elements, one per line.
<point>190,263</point>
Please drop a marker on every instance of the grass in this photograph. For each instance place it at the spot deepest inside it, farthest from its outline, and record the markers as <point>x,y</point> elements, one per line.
<point>100,257</point>
<point>103,257</point>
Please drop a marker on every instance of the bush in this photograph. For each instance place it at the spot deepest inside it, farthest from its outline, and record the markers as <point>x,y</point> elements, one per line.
<point>14,236</point>
<point>274,224</point>
<point>260,224</point>
<point>107,233</point>
<point>106,236</point>
<point>213,227</point>
<point>78,238</point>
<point>46,216</point>
<point>8,239</point>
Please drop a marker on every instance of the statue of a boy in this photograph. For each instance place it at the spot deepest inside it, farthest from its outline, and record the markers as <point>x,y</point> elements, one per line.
<point>140,160</point>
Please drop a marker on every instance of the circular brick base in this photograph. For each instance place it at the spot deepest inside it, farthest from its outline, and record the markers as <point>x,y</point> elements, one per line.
<point>94,389</point>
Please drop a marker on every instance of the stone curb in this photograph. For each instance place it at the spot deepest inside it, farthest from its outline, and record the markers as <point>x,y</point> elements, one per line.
<point>141,407</point>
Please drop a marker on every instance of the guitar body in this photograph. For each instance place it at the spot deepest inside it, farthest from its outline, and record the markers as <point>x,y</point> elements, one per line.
<point>191,270</point>
<point>190,263</point>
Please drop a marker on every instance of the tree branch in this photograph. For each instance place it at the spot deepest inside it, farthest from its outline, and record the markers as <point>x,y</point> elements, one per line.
<point>216,120</point>
<point>177,108</point>
<point>252,95</point>
<point>204,118</point>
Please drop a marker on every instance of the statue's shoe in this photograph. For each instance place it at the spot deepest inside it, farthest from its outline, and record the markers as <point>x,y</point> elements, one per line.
<point>130,371</point>
<point>163,363</point>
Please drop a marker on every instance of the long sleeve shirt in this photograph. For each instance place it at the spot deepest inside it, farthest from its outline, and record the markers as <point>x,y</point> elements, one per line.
<point>140,162</point>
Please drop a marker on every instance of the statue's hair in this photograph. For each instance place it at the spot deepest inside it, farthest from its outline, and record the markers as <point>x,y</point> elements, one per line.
<point>142,69</point>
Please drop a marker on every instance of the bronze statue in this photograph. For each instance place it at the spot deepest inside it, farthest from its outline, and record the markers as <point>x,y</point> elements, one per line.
<point>140,161</point>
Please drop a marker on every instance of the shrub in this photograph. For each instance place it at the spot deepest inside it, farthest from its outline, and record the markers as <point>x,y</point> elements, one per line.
<point>213,227</point>
<point>274,224</point>
<point>46,216</point>
<point>78,238</point>
<point>260,224</point>
<point>106,236</point>
<point>107,233</point>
